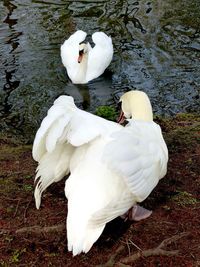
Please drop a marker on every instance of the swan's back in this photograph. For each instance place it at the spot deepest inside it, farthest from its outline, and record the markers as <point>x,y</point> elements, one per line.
<point>100,56</point>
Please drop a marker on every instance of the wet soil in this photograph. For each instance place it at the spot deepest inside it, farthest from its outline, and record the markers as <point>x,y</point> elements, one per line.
<point>175,219</point>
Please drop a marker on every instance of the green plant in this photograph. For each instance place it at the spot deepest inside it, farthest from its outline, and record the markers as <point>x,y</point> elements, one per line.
<point>184,198</point>
<point>28,187</point>
<point>106,112</point>
<point>17,254</point>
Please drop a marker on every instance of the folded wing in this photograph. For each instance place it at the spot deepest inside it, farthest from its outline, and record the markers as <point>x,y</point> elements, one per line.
<point>139,155</point>
<point>100,56</point>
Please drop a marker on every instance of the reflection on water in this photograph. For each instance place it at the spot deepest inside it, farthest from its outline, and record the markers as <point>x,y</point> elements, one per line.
<point>10,63</point>
<point>156,49</point>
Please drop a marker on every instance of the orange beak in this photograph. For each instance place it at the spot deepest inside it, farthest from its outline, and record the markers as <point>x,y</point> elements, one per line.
<point>121,118</point>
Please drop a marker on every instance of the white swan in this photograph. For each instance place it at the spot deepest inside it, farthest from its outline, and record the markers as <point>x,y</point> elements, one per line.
<point>111,167</point>
<point>84,63</point>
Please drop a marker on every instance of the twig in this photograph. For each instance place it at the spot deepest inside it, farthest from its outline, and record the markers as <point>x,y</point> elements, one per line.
<point>169,240</point>
<point>41,230</point>
<point>135,245</point>
<point>129,251</point>
<point>25,211</point>
<point>11,199</point>
<point>128,242</point>
<point>156,251</point>
<point>36,242</point>
<point>16,208</point>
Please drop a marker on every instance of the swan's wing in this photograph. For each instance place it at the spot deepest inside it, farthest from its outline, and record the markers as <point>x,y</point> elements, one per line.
<point>52,168</point>
<point>139,154</point>
<point>51,152</point>
<point>63,129</point>
<point>66,123</point>
<point>100,56</point>
<point>57,117</point>
<point>112,210</point>
<point>70,51</point>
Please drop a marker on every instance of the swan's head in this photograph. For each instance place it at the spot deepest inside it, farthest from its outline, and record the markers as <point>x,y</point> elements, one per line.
<point>83,50</point>
<point>136,105</point>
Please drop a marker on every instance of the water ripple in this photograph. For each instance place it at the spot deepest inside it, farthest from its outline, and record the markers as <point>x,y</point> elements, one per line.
<point>156,50</point>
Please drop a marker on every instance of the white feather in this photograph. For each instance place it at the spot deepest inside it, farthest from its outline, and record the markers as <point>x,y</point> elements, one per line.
<point>52,168</point>
<point>70,52</point>
<point>100,56</point>
<point>142,158</point>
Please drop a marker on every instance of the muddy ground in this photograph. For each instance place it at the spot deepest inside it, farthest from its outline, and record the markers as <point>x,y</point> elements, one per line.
<point>170,237</point>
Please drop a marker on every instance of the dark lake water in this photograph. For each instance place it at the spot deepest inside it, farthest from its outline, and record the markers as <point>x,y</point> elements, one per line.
<point>156,49</point>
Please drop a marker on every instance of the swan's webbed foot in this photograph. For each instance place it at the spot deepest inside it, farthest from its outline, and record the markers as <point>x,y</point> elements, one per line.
<point>136,213</point>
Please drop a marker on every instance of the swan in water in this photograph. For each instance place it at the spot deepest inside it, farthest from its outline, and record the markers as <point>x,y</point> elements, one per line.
<point>84,63</point>
<point>110,167</point>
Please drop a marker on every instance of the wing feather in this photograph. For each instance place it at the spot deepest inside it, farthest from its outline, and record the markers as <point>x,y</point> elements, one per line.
<point>115,208</point>
<point>52,168</point>
<point>99,56</point>
<point>39,146</point>
<point>139,154</point>
<point>56,132</point>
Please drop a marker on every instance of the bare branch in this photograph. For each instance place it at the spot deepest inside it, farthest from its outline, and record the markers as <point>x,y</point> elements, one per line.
<point>16,210</point>
<point>41,230</point>
<point>157,251</point>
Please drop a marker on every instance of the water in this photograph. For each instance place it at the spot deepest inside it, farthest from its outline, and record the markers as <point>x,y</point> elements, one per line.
<point>156,49</point>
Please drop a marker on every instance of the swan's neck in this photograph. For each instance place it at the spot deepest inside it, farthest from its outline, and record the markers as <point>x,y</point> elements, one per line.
<point>82,69</point>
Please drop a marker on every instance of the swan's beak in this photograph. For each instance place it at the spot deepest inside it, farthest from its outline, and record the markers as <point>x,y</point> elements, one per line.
<point>121,118</point>
<point>80,57</point>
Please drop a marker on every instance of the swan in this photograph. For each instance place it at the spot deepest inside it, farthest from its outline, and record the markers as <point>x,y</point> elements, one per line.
<point>110,167</point>
<point>84,63</point>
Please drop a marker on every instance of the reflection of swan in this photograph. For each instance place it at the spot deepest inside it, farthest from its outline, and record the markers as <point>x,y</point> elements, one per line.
<point>84,63</point>
<point>111,167</point>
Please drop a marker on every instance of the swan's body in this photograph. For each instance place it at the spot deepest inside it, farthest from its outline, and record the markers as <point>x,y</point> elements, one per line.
<point>84,63</point>
<point>111,167</point>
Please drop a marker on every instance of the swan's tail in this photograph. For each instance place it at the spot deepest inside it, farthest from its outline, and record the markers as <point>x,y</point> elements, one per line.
<point>80,236</point>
